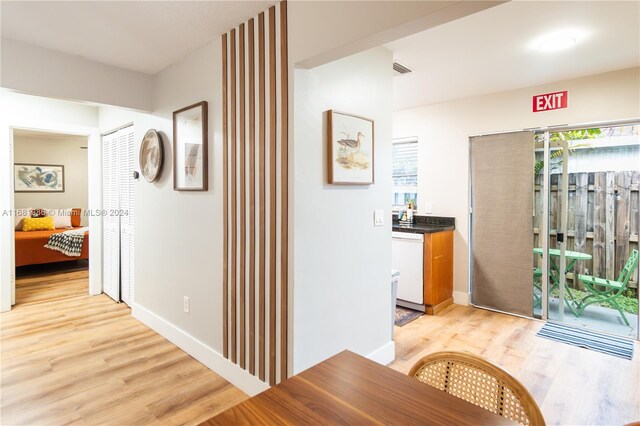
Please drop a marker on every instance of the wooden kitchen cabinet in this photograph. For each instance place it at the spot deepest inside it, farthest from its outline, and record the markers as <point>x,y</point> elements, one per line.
<point>438,271</point>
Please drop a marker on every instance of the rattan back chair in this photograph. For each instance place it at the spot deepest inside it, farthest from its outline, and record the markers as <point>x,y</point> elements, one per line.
<point>479,382</point>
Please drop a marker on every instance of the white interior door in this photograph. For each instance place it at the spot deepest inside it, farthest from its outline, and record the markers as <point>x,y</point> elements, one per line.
<point>118,209</point>
<point>126,213</point>
<point>111,224</point>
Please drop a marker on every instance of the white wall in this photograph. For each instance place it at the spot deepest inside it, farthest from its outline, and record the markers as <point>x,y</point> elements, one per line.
<point>193,265</point>
<point>44,72</point>
<point>178,235</point>
<point>342,263</point>
<point>66,152</point>
<point>443,132</point>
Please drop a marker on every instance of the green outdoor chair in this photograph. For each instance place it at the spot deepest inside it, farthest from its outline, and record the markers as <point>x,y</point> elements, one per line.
<point>537,298</point>
<point>611,290</point>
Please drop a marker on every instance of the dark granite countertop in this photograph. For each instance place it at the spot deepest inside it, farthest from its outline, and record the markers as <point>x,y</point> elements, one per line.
<point>426,225</point>
<point>418,228</point>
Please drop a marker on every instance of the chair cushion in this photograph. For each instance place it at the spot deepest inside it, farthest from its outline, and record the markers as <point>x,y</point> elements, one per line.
<point>600,281</point>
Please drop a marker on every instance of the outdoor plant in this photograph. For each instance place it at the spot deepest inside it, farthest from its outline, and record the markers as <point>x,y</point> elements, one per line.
<point>571,135</point>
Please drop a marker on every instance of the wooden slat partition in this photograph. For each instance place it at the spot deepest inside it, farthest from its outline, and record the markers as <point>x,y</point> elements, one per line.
<point>252,200</point>
<point>263,209</point>
<point>258,321</point>
<point>233,213</point>
<point>284,182</point>
<point>243,199</point>
<point>262,339</point>
<point>225,197</point>
<point>272,195</point>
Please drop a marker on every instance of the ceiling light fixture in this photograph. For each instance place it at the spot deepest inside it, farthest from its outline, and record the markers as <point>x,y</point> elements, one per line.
<point>556,43</point>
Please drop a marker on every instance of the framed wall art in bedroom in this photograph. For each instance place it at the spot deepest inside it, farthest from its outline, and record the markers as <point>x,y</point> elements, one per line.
<point>38,177</point>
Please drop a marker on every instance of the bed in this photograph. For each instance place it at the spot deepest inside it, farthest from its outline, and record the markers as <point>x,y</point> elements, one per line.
<point>30,250</point>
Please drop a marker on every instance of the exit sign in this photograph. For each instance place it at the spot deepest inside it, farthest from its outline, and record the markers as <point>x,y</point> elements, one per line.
<point>550,101</point>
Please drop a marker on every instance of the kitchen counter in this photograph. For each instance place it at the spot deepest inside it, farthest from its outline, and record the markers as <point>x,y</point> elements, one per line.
<point>425,225</point>
<point>421,228</point>
<point>423,254</point>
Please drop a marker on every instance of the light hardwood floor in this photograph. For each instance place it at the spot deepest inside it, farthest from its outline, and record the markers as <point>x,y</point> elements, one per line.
<point>572,386</point>
<point>68,357</point>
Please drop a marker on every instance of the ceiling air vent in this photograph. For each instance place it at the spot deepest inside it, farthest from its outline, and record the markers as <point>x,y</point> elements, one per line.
<point>399,69</point>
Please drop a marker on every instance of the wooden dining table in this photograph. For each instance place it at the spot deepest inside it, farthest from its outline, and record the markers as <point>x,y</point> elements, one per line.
<point>348,389</point>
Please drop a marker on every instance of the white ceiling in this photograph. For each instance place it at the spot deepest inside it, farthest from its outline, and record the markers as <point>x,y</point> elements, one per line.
<point>496,50</point>
<point>143,36</point>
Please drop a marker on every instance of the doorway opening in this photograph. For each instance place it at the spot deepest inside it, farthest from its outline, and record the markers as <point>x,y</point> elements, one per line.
<point>51,201</point>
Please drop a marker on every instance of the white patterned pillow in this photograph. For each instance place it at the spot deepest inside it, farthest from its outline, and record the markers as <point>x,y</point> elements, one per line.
<point>61,217</point>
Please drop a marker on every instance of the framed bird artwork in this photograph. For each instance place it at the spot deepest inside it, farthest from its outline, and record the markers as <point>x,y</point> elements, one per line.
<point>350,149</point>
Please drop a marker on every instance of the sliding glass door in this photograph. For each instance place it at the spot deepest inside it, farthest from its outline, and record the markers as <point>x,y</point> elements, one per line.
<point>555,218</point>
<point>593,225</point>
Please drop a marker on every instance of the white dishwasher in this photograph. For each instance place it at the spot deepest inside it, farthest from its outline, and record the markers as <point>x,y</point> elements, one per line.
<point>407,255</point>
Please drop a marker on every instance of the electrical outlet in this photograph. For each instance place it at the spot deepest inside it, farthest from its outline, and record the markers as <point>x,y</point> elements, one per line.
<point>378,217</point>
<point>186,305</point>
<point>427,208</point>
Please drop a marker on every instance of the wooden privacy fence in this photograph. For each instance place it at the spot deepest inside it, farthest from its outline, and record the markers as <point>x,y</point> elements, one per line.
<point>603,220</point>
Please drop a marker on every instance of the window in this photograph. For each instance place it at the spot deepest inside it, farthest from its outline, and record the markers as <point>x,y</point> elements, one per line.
<point>405,171</point>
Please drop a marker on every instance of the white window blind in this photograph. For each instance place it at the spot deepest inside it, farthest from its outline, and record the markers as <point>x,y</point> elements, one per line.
<point>405,171</point>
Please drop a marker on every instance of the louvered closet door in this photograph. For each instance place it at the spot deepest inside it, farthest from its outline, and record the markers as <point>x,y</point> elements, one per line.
<point>127,202</point>
<point>111,224</point>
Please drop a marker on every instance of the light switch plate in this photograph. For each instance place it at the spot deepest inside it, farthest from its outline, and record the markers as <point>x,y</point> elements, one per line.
<point>427,208</point>
<point>378,217</point>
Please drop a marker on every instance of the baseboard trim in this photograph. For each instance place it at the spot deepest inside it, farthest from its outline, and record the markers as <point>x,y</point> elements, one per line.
<point>434,310</point>
<point>461,298</point>
<point>231,372</point>
<point>384,354</point>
